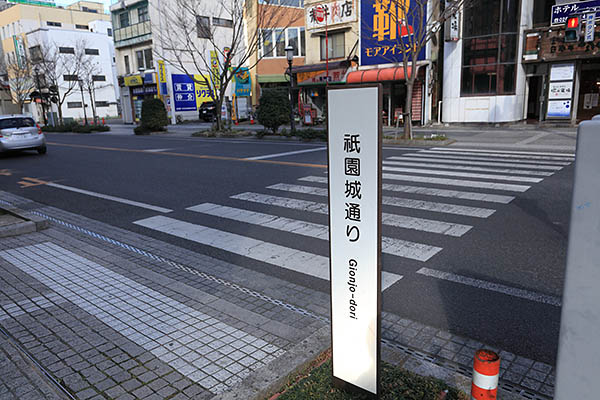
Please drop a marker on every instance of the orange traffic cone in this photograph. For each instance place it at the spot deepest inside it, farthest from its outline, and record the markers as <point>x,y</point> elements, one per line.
<point>251,119</point>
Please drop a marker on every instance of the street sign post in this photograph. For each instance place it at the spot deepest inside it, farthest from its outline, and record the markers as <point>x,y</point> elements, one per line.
<point>579,343</point>
<point>354,152</point>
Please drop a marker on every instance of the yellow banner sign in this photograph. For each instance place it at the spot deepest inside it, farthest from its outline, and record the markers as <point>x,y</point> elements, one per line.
<point>203,90</point>
<point>162,73</point>
<point>215,68</point>
<point>135,80</point>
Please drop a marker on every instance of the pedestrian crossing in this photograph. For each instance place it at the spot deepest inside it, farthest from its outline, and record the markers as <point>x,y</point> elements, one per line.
<point>440,185</point>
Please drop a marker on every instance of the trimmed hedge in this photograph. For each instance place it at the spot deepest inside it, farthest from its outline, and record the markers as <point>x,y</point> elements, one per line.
<point>76,128</point>
<point>274,108</point>
<point>154,116</point>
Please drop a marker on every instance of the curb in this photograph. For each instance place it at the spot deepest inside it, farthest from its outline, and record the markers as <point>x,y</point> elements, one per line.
<point>419,143</point>
<point>31,223</point>
<point>262,382</point>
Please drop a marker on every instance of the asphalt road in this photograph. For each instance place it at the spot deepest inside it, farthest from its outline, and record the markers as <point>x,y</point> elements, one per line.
<point>499,280</point>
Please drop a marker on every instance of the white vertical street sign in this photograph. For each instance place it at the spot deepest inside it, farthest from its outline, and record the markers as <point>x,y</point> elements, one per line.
<point>590,27</point>
<point>578,366</point>
<point>354,150</point>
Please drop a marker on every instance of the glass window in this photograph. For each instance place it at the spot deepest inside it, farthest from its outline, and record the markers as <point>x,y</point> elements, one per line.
<point>139,55</point>
<point>66,50</point>
<point>50,23</point>
<point>335,46</point>
<point>143,14</point>
<point>126,62</point>
<point>148,58</point>
<point>303,42</point>
<point>109,31</point>
<point>92,52</point>
<point>280,42</point>
<point>541,12</point>
<point>85,27</point>
<point>124,19</point>
<point>490,47</point>
<point>98,78</point>
<point>8,123</point>
<point>203,26</point>
<point>73,104</point>
<point>293,39</point>
<point>227,23</point>
<point>267,43</point>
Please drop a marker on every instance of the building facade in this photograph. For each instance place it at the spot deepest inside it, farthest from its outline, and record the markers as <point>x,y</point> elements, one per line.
<point>147,66</point>
<point>25,26</point>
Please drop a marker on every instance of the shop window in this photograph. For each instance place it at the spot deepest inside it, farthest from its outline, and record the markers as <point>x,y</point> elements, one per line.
<point>333,46</point>
<point>490,48</point>
<point>203,27</point>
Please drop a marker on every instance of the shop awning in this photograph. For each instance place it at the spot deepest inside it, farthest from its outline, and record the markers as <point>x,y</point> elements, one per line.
<point>377,75</point>
<point>320,67</point>
<point>272,78</point>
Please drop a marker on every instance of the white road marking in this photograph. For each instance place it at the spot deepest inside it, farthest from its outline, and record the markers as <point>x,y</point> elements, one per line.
<point>400,221</point>
<point>396,247</point>
<point>157,150</point>
<point>535,153</point>
<point>472,158</point>
<point>163,326</point>
<point>466,168</point>
<point>495,287</point>
<point>455,194</point>
<point>503,155</point>
<point>489,164</point>
<point>288,153</point>
<point>457,182</point>
<point>108,197</point>
<point>274,254</point>
<point>463,174</point>
<point>398,202</point>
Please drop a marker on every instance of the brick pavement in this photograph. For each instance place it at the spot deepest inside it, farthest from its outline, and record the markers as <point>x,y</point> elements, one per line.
<point>166,322</point>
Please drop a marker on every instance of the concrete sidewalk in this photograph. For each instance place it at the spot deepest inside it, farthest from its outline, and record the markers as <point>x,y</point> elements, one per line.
<point>109,313</point>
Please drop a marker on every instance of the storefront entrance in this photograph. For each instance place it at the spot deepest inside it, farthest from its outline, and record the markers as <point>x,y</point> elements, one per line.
<point>534,99</point>
<point>588,103</point>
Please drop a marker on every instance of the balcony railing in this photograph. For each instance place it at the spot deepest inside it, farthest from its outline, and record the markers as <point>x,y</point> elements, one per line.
<point>131,32</point>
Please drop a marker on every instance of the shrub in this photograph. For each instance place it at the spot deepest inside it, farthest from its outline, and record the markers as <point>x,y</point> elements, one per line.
<point>67,127</point>
<point>141,130</point>
<point>154,115</point>
<point>274,108</point>
<point>311,133</point>
<point>82,129</point>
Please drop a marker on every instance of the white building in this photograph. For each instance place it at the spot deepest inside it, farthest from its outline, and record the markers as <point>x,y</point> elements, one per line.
<point>143,34</point>
<point>99,50</point>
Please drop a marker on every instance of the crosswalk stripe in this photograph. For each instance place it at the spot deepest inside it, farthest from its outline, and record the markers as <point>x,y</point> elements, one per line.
<point>457,182</point>
<point>455,194</point>
<point>496,287</point>
<point>466,168</point>
<point>463,174</point>
<point>280,256</point>
<point>397,247</point>
<point>400,221</point>
<point>519,156</point>
<point>483,163</point>
<point>398,202</point>
<point>534,153</point>
<point>473,158</point>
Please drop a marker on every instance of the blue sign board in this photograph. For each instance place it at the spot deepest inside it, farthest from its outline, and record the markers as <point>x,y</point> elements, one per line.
<point>386,30</point>
<point>561,12</point>
<point>184,93</point>
<point>243,83</point>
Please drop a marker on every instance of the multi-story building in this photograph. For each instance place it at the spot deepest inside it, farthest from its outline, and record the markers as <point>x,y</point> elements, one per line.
<point>32,25</point>
<point>147,67</point>
<point>343,48</point>
<point>511,63</point>
<point>270,62</point>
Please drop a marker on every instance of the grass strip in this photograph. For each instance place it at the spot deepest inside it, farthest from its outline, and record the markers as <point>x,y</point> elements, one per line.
<point>396,384</point>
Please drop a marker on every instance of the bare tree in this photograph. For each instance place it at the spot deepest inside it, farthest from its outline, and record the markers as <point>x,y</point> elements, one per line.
<point>88,72</point>
<point>190,43</point>
<point>410,25</point>
<point>61,70</point>
<point>20,81</point>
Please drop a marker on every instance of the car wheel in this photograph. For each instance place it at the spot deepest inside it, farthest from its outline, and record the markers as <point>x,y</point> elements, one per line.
<point>41,150</point>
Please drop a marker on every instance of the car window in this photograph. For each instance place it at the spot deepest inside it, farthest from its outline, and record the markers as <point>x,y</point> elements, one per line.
<point>8,123</point>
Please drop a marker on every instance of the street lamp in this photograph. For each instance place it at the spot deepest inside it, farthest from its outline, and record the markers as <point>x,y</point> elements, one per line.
<point>289,53</point>
<point>36,71</point>
<point>83,100</point>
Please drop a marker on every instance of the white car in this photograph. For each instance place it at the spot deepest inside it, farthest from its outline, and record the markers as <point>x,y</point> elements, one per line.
<point>20,132</point>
